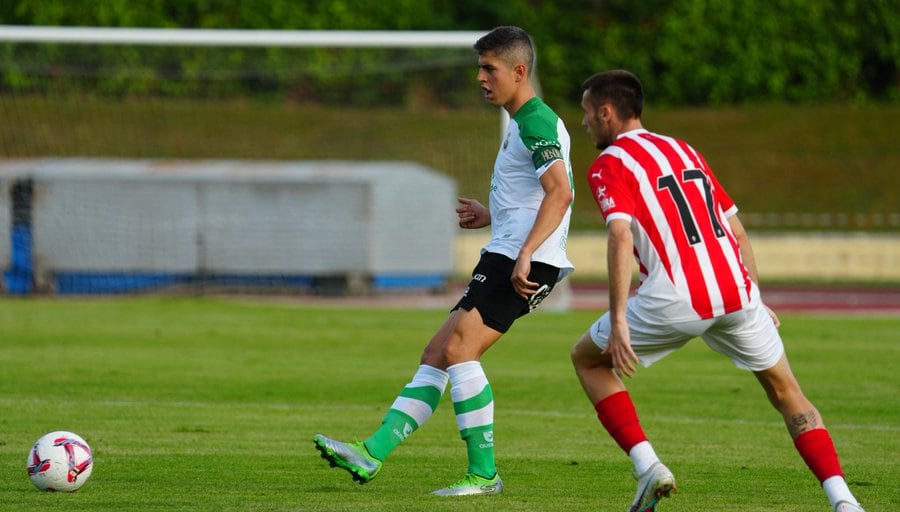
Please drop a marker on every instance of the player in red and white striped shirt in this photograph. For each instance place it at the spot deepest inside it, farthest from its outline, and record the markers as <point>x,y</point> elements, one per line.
<point>663,205</point>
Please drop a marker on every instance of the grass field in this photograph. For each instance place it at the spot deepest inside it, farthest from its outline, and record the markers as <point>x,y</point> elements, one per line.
<point>209,404</point>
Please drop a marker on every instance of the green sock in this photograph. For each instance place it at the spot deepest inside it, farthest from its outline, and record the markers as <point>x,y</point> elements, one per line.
<point>395,427</point>
<point>473,402</point>
<point>480,448</point>
<point>415,404</point>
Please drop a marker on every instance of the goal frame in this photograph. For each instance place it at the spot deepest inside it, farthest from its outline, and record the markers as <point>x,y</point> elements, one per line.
<point>241,37</point>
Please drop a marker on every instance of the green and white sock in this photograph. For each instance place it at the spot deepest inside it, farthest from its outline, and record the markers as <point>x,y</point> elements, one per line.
<point>473,403</point>
<point>415,404</point>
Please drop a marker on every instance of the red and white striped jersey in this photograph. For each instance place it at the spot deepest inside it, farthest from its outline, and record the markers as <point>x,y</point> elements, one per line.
<point>690,261</point>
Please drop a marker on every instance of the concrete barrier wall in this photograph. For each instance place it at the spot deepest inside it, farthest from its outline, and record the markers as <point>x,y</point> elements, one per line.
<point>865,257</point>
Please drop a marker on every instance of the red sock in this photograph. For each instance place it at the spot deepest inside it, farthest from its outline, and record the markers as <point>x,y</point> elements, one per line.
<point>616,413</point>
<point>817,450</point>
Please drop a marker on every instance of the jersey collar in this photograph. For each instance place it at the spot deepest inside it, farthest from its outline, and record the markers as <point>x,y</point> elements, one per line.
<point>629,133</point>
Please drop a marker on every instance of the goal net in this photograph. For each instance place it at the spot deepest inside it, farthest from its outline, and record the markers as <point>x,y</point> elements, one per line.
<point>127,157</point>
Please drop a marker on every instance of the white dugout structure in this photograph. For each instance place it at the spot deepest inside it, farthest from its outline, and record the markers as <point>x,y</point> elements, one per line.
<point>111,226</point>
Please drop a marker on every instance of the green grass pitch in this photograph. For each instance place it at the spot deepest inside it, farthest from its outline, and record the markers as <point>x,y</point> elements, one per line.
<point>210,404</point>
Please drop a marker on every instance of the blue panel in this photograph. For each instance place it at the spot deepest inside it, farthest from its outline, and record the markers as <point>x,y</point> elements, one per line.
<point>114,282</point>
<point>19,279</point>
<point>124,282</point>
<point>17,283</point>
<point>406,281</point>
<point>21,241</point>
<point>88,283</point>
<point>261,281</point>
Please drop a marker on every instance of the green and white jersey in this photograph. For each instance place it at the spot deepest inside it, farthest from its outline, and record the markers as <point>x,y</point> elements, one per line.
<point>535,138</point>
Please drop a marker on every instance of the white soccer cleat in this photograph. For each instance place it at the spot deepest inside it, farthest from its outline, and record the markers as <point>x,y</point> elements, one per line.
<point>352,457</point>
<point>846,506</point>
<point>657,482</point>
<point>472,484</point>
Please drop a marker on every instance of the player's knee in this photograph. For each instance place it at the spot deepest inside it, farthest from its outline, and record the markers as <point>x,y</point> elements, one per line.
<point>585,353</point>
<point>460,348</point>
<point>433,358</point>
<point>575,355</point>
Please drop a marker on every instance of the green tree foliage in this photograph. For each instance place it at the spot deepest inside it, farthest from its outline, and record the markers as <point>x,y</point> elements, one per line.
<point>687,52</point>
<point>720,51</point>
<point>725,52</point>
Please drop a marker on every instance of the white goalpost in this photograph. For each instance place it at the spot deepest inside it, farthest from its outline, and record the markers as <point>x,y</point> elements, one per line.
<point>230,37</point>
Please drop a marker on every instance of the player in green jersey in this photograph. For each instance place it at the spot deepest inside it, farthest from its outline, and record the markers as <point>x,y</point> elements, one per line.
<point>530,206</point>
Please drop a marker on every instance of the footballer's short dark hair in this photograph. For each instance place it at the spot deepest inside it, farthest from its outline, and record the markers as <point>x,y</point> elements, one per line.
<point>619,87</point>
<point>511,44</point>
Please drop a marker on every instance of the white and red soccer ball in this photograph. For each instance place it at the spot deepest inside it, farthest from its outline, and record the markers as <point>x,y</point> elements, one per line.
<point>60,461</point>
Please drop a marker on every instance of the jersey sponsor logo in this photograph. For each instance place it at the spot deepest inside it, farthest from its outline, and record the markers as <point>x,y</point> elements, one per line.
<point>549,154</point>
<point>481,278</point>
<point>544,143</point>
<point>605,201</point>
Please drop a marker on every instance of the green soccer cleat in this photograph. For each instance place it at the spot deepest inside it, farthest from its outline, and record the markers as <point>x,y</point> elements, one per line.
<point>656,483</point>
<point>353,457</point>
<point>472,484</point>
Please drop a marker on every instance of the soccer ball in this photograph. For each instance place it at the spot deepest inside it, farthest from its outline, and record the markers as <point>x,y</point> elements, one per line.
<point>60,461</point>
